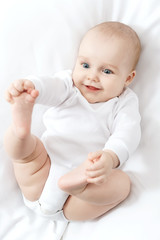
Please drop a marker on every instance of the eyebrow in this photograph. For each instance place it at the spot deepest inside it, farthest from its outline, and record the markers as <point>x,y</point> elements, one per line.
<point>111,66</point>
<point>81,57</point>
<point>103,64</point>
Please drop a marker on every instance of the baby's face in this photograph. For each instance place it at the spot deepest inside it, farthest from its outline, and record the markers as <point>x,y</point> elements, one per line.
<point>103,67</point>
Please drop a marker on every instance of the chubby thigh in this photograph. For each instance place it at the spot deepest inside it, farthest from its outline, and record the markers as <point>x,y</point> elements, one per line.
<point>96,200</point>
<point>37,176</point>
<point>32,172</point>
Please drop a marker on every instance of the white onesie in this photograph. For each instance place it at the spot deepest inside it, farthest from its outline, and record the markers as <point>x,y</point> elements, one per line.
<point>74,127</point>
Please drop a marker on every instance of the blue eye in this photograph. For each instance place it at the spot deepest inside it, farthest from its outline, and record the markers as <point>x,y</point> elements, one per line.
<point>107,71</point>
<point>85,65</point>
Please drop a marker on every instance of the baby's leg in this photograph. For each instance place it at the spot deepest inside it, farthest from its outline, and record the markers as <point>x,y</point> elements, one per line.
<point>90,201</point>
<point>75,181</point>
<point>30,160</point>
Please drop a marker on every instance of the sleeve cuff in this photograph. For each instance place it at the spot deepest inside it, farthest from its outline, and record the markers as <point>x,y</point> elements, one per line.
<point>119,148</point>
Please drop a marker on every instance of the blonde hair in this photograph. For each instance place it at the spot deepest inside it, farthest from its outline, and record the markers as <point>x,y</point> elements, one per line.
<point>122,31</point>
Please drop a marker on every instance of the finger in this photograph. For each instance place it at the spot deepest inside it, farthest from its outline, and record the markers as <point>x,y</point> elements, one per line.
<point>23,85</point>
<point>19,85</point>
<point>101,163</point>
<point>98,180</point>
<point>96,166</point>
<point>13,91</point>
<point>34,93</point>
<point>94,174</point>
<point>8,97</point>
<point>32,96</point>
<point>28,85</point>
<point>93,155</point>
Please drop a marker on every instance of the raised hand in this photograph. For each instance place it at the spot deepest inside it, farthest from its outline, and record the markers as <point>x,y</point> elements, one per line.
<point>22,95</point>
<point>21,86</point>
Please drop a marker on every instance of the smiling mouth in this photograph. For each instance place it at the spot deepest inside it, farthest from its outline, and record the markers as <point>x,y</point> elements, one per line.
<point>91,88</point>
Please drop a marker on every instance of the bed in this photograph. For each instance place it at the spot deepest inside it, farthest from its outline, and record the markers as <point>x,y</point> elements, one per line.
<point>42,37</point>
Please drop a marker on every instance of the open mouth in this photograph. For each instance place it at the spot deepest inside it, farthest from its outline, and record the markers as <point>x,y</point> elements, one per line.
<point>91,88</point>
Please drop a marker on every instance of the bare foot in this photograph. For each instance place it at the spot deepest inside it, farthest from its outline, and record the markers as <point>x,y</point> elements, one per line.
<point>22,113</point>
<point>75,181</point>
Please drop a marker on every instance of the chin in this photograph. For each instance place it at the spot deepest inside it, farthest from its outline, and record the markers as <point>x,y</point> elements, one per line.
<point>92,100</point>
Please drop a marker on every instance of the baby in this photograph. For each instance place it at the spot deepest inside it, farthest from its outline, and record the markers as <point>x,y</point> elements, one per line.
<point>92,128</point>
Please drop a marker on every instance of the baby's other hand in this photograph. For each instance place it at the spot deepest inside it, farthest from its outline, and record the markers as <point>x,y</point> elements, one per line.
<point>17,88</point>
<point>101,165</point>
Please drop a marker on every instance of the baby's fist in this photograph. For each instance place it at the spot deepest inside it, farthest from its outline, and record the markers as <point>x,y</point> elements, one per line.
<point>18,87</point>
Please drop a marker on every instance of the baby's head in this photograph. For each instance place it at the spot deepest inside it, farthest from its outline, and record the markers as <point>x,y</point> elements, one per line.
<point>106,61</point>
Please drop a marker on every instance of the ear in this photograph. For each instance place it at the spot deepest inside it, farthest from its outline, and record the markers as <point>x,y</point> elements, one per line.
<point>130,78</point>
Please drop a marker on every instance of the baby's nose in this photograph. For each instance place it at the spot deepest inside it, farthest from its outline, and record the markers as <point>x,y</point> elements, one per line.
<point>93,77</point>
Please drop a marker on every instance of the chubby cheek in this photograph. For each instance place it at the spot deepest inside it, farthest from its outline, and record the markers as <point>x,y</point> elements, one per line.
<point>119,89</point>
<point>114,89</point>
<point>77,78</point>
<point>74,78</point>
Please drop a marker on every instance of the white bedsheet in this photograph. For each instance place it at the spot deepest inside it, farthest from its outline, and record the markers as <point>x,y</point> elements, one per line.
<point>41,37</point>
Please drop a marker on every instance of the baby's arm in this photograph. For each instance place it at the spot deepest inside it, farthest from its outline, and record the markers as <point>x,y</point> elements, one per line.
<point>54,89</point>
<point>102,163</point>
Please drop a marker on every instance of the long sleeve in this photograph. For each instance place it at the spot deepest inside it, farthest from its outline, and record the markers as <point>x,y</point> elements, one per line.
<point>125,129</point>
<point>53,90</point>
